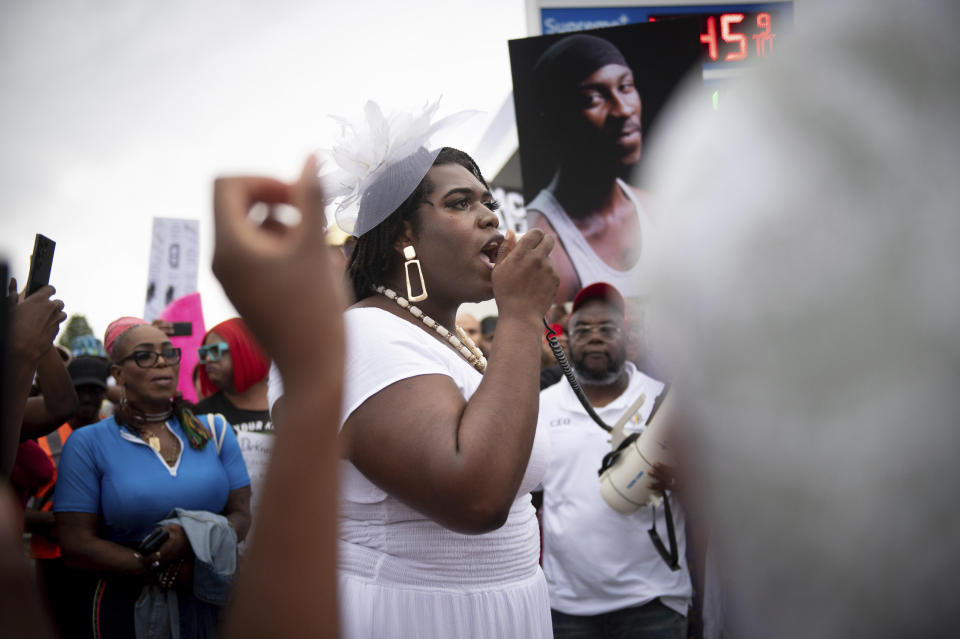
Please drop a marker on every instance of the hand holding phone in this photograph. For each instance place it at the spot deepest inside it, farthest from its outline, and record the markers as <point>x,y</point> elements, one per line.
<point>152,542</point>
<point>34,321</point>
<point>174,329</point>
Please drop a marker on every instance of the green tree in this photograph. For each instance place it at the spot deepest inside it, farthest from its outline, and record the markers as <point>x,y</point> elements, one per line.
<point>76,326</point>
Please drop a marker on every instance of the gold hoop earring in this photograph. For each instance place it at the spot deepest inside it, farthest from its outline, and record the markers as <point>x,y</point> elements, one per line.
<point>410,254</point>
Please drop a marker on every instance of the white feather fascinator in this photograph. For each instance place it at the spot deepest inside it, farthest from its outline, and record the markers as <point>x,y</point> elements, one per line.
<point>378,162</point>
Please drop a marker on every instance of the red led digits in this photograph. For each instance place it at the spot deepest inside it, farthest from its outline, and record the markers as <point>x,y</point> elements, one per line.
<point>764,37</point>
<point>735,43</point>
<point>740,39</point>
<point>710,38</point>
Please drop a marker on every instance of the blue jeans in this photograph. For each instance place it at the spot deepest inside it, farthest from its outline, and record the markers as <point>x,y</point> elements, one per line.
<point>650,621</point>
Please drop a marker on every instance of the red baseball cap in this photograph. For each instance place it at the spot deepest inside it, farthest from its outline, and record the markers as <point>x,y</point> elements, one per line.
<point>600,291</point>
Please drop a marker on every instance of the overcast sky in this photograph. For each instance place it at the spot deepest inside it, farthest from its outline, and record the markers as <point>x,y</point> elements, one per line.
<point>115,112</point>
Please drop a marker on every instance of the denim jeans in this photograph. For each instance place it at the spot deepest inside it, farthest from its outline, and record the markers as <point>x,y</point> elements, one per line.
<point>650,621</point>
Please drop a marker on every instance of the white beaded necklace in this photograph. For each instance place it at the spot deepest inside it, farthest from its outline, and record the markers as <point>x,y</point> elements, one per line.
<point>463,344</point>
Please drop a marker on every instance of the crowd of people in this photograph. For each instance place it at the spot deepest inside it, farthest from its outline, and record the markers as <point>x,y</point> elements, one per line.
<point>432,475</point>
<point>451,549</point>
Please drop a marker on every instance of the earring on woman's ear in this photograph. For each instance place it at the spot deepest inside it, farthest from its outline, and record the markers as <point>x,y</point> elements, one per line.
<point>410,254</point>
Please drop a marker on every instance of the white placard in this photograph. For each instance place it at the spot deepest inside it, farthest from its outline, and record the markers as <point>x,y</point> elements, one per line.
<point>174,259</point>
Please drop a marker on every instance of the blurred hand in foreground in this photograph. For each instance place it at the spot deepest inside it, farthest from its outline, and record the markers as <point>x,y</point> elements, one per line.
<point>278,276</point>
<point>281,280</point>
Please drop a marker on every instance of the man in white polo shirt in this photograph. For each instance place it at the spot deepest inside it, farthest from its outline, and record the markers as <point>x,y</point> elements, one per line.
<point>606,579</point>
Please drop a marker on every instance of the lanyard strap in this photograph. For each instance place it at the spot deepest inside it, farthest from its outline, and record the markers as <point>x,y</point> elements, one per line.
<point>672,556</point>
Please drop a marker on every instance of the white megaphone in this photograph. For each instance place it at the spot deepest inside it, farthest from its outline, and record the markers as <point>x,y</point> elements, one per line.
<point>625,485</point>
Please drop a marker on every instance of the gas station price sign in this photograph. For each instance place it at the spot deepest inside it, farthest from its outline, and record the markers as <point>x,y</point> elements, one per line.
<point>735,35</point>
<point>730,34</point>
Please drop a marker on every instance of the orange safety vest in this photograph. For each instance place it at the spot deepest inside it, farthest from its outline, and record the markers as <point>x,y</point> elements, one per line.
<point>42,547</point>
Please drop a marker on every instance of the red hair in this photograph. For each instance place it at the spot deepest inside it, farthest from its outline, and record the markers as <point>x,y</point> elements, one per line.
<point>250,362</point>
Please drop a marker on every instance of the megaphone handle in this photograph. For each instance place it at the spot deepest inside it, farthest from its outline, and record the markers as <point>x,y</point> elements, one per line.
<point>617,433</point>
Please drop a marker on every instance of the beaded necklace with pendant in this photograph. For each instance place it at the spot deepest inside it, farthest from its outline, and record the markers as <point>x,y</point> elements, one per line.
<point>462,344</point>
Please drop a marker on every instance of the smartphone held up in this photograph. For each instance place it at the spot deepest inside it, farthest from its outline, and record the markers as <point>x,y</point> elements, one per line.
<point>40,264</point>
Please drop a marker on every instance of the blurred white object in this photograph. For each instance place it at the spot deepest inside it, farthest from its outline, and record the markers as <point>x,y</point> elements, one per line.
<point>809,295</point>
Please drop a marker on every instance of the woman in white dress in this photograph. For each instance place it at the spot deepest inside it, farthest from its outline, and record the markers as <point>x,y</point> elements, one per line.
<point>437,534</point>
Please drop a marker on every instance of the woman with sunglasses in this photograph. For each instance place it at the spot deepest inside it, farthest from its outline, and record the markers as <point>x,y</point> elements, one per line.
<point>123,476</point>
<point>233,377</point>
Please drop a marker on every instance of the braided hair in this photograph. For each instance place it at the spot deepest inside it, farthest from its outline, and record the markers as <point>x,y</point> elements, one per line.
<point>374,255</point>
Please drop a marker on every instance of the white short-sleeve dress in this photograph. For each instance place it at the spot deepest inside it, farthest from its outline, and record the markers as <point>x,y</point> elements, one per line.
<point>401,574</point>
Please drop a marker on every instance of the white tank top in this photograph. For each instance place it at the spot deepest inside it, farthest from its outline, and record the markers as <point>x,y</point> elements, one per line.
<point>589,266</point>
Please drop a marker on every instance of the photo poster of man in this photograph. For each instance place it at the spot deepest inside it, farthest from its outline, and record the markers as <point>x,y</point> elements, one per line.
<point>585,102</point>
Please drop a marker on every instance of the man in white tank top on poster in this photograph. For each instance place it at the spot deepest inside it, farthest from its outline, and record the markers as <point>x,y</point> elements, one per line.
<point>587,95</point>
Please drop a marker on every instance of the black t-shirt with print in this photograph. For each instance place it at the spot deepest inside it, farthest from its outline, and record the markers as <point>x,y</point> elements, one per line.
<point>256,421</point>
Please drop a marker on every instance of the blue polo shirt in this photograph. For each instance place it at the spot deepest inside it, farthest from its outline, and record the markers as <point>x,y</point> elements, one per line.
<point>107,470</point>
